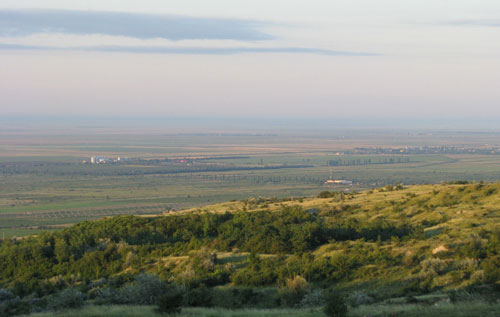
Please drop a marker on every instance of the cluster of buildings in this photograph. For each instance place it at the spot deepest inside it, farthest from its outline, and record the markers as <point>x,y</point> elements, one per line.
<point>104,160</point>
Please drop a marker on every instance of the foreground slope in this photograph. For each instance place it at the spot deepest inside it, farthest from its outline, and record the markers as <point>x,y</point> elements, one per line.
<point>269,253</point>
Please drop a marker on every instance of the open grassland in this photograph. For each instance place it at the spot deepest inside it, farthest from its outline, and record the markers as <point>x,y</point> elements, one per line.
<point>147,311</point>
<point>466,309</point>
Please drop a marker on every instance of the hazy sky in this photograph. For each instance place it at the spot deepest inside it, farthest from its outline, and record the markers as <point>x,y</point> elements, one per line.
<point>314,58</point>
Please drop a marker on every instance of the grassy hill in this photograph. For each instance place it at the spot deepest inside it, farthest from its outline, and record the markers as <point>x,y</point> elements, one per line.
<point>387,250</point>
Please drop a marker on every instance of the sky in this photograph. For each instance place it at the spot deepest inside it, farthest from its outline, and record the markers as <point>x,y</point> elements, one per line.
<point>274,58</point>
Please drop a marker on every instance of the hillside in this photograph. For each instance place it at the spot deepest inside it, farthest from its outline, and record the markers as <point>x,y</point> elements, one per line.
<point>377,245</point>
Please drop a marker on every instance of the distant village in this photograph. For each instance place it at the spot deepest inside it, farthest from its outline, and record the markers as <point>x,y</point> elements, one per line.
<point>108,160</point>
<point>188,162</point>
<point>104,160</point>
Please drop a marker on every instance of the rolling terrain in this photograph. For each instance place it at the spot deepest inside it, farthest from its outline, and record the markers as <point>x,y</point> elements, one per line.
<point>391,250</point>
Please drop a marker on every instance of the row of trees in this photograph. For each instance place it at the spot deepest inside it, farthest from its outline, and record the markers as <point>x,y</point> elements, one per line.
<point>383,160</point>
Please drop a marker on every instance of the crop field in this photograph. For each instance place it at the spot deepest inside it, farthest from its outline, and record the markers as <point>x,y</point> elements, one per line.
<point>45,184</point>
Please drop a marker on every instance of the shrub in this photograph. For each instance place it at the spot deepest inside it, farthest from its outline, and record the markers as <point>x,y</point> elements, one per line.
<point>357,298</point>
<point>474,248</point>
<point>325,194</point>
<point>457,296</point>
<point>105,296</point>
<point>335,305</point>
<point>204,260</point>
<point>68,298</point>
<point>312,298</point>
<point>477,277</point>
<point>433,266</point>
<point>143,291</point>
<point>198,297</point>
<point>5,294</point>
<point>11,305</point>
<point>235,297</point>
<point>293,291</point>
<point>296,284</point>
<point>170,302</point>
<point>491,269</point>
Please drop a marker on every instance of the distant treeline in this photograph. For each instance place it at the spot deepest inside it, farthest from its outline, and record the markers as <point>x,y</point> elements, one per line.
<point>416,150</point>
<point>384,160</point>
<point>117,170</point>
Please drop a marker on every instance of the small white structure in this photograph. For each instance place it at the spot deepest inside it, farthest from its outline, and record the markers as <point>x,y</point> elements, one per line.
<point>338,182</point>
<point>98,159</point>
<point>332,181</point>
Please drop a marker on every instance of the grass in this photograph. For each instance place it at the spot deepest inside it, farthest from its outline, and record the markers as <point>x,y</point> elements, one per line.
<point>442,309</point>
<point>147,311</point>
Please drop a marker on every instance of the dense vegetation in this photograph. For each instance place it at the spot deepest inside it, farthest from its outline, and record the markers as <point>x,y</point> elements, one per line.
<point>390,242</point>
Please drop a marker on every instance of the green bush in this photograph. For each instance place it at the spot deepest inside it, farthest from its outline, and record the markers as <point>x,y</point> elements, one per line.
<point>326,194</point>
<point>312,298</point>
<point>235,297</point>
<point>358,298</point>
<point>198,297</point>
<point>145,290</point>
<point>491,267</point>
<point>105,296</point>
<point>170,302</point>
<point>434,266</point>
<point>293,291</point>
<point>10,304</point>
<point>335,304</point>
<point>68,298</point>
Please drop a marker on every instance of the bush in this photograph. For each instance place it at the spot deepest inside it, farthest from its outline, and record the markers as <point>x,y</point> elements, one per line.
<point>170,302</point>
<point>235,297</point>
<point>10,304</point>
<point>68,298</point>
<point>457,296</point>
<point>335,305</point>
<point>144,291</point>
<point>293,291</point>
<point>491,269</point>
<point>434,266</point>
<point>326,194</point>
<point>357,298</point>
<point>477,277</point>
<point>104,296</point>
<point>198,297</point>
<point>313,298</point>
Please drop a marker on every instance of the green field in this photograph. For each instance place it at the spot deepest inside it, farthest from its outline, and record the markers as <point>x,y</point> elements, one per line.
<point>444,309</point>
<point>44,185</point>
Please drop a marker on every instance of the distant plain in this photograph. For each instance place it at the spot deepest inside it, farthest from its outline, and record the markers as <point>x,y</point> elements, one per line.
<point>44,184</point>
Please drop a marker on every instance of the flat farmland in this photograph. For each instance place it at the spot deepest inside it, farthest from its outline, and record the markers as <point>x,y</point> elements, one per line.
<point>45,185</point>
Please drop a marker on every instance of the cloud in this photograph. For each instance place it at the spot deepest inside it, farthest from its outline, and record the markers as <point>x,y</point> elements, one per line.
<point>135,25</point>
<point>26,23</point>
<point>188,50</point>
